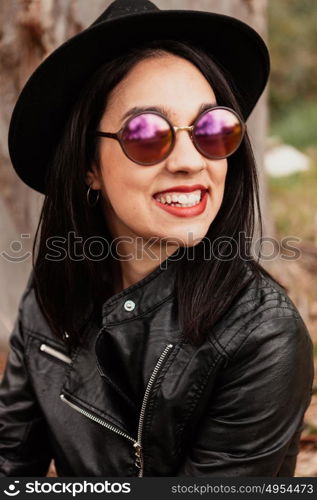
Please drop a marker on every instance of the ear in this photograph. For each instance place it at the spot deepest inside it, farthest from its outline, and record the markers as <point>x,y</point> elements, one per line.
<point>93,178</point>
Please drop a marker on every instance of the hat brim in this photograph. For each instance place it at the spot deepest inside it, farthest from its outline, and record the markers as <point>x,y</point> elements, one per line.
<point>47,98</point>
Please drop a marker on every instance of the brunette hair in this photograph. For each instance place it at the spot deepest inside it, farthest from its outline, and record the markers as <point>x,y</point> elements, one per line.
<point>71,290</point>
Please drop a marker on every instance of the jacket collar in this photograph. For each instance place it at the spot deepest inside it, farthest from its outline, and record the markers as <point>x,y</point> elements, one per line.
<point>143,295</point>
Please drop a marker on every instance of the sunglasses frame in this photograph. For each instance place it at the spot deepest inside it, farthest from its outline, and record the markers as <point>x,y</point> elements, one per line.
<point>118,135</point>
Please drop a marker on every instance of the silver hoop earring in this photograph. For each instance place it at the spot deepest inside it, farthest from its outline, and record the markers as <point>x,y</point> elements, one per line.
<point>95,201</point>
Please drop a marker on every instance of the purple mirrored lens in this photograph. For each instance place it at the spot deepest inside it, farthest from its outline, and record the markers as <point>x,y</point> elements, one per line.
<point>218,133</point>
<point>147,138</point>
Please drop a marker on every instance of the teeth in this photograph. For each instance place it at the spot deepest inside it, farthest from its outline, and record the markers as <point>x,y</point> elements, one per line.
<point>184,200</point>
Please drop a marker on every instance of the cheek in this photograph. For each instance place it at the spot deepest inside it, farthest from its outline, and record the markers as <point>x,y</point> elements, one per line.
<point>223,175</point>
<point>123,184</point>
<point>222,170</point>
<point>218,172</point>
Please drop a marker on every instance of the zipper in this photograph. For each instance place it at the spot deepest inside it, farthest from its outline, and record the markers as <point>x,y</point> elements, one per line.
<point>55,353</point>
<point>137,444</point>
<point>96,419</point>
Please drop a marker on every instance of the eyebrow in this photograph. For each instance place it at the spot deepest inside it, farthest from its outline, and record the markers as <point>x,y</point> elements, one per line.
<point>165,111</point>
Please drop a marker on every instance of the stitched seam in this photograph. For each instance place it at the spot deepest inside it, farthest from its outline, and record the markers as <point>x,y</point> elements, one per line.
<point>213,341</point>
<point>27,349</point>
<point>153,399</point>
<point>270,290</point>
<point>226,326</point>
<point>269,284</point>
<point>149,416</point>
<point>141,314</point>
<point>259,324</point>
<point>200,390</point>
<point>180,428</point>
<point>238,306</point>
<point>166,366</point>
<point>136,286</point>
<point>41,336</point>
<point>193,405</point>
<point>252,299</point>
<point>74,357</point>
<point>252,319</point>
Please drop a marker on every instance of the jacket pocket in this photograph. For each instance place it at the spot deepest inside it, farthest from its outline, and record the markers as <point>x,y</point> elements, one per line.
<point>52,352</point>
<point>44,357</point>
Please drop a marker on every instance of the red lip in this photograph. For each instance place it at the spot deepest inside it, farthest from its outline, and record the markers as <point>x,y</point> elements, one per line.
<point>183,189</point>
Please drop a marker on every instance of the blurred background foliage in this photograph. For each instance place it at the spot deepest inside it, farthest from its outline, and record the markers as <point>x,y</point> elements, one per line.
<point>292,199</point>
<point>292,37</point>
<point>292,33</point>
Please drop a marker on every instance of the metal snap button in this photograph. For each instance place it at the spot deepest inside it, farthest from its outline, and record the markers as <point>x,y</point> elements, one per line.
<point>129,305</point>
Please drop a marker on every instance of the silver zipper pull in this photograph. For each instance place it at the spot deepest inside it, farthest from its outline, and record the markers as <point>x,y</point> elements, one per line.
<point>138,455</point>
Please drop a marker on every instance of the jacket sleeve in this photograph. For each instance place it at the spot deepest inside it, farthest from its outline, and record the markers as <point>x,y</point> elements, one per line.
<point>24,448</point>
<point>255,416</point>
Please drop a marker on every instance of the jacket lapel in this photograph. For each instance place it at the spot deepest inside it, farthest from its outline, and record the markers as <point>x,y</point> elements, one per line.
<point>86,387</point>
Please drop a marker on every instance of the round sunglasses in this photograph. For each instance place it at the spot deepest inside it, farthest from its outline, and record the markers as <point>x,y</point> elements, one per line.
<point>148,137</point>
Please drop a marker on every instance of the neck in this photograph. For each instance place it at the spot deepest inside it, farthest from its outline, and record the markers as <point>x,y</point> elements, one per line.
<point>136,263</point>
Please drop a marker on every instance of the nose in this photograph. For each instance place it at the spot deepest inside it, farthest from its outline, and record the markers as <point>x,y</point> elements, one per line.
<point>185,157</point>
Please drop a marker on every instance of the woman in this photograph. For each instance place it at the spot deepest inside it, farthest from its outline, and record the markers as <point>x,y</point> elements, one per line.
<point>149,342</point>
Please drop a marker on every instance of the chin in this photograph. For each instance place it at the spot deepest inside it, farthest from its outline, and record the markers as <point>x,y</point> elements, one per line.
<point>184,239</point>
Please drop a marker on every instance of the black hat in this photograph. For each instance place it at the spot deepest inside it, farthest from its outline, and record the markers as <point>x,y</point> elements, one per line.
<point>44,104</point>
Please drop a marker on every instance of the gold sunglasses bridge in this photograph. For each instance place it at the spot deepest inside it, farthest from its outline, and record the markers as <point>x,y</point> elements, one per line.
<point>189,128</point>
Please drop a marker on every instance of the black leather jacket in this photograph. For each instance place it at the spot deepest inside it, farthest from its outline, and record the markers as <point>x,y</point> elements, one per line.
<point>135,400</point>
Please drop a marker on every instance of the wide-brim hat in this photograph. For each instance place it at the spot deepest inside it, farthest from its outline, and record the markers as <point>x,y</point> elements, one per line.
<point>47,98</point>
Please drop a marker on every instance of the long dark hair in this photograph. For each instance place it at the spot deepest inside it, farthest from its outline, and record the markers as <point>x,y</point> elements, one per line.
<point>71,289</point>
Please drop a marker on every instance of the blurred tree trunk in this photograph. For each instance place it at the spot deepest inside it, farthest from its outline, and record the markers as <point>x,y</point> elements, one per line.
<point>29,31</point>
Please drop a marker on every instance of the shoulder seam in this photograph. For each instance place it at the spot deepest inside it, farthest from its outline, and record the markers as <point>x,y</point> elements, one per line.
<point>295,316</point>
